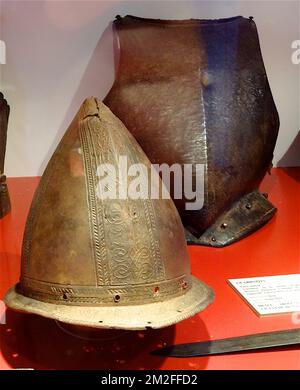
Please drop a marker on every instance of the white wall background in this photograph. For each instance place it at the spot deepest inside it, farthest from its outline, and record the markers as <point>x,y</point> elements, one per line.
<point>59,52</point>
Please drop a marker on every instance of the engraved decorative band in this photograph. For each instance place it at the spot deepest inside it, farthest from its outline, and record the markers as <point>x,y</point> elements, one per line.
<point>108,295</point>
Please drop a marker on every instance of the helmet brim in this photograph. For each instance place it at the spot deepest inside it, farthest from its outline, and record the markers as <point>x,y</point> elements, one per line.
<point>136,317</point>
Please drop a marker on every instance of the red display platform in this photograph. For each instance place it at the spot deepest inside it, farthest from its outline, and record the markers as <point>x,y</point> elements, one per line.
<point>39,343</point>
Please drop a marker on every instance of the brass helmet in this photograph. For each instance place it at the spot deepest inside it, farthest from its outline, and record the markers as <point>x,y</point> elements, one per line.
<point>101,262</point>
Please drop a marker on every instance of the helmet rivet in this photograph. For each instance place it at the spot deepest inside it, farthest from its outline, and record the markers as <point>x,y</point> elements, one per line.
<point>213,239</point>
<point>117,298</point>
<point>224,225</point>
<point>184,284</point>
<point>248,206</point>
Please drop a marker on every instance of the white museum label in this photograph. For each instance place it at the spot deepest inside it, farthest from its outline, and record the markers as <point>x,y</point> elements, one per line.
<point>270,294</point>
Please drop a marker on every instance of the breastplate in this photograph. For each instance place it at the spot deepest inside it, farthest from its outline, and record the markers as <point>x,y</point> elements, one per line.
<point>196,92</point>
